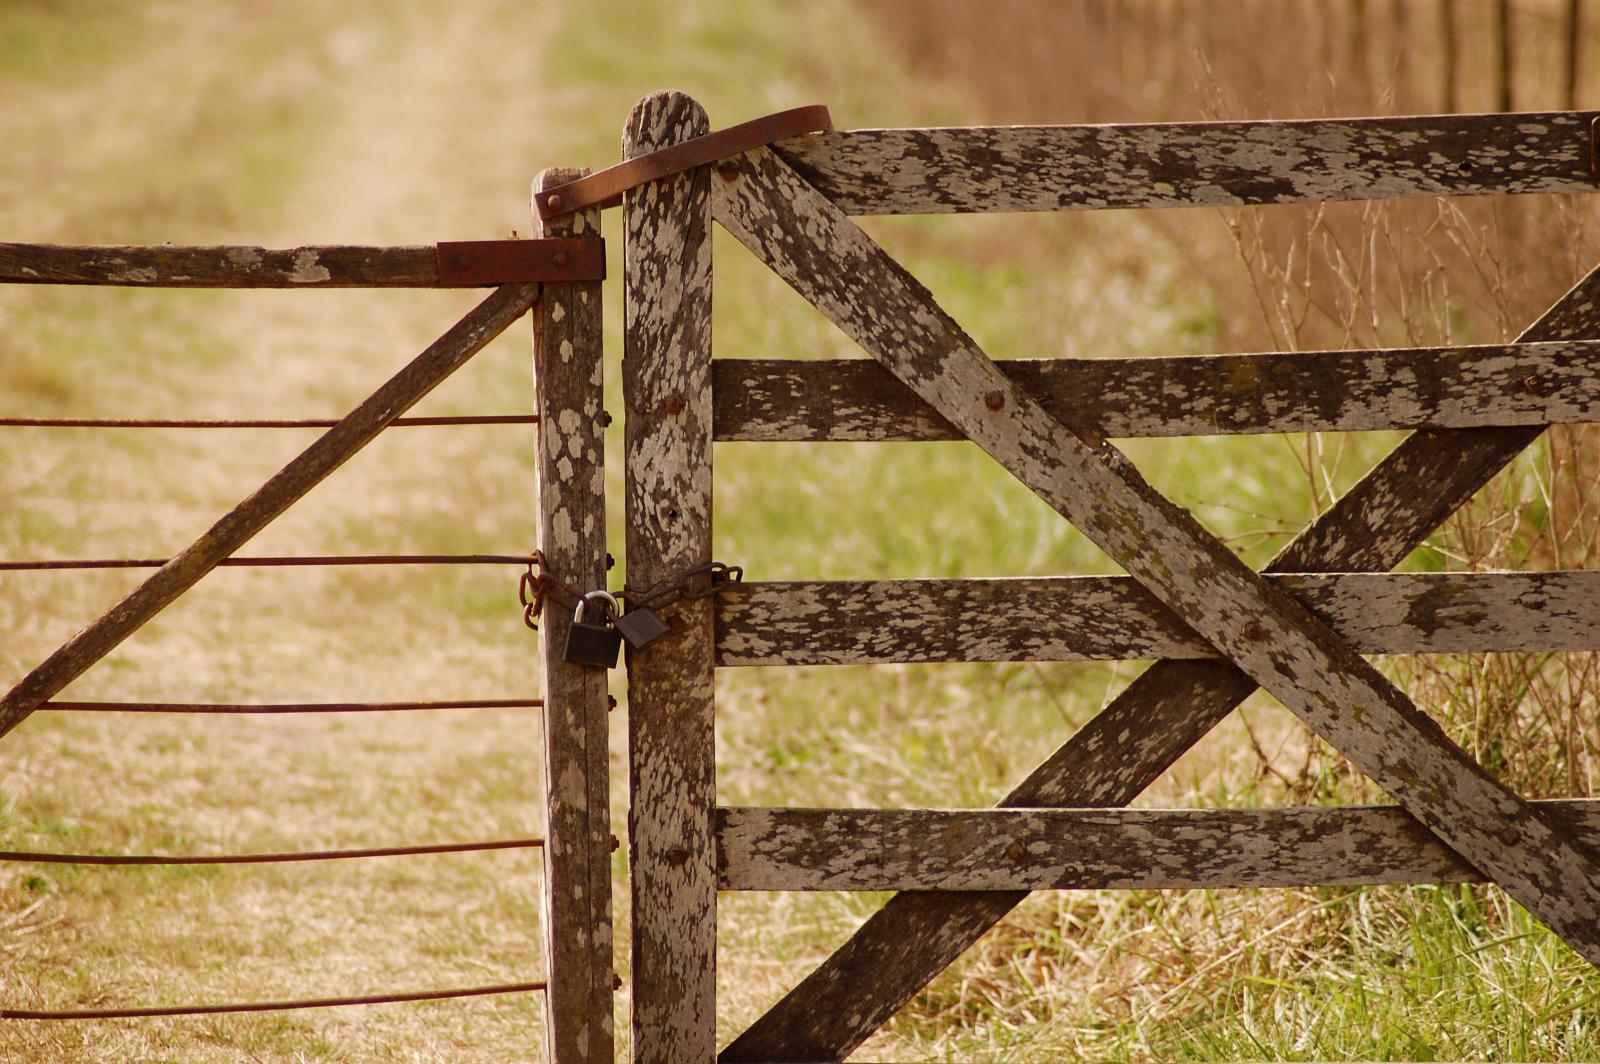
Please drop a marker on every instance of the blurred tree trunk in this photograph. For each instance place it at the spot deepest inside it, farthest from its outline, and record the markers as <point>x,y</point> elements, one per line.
<point>1358,49</point>
<point>1502,20</point>
<point>1574,34</point>
<point>1447,35</point>
<point>1401,71</point>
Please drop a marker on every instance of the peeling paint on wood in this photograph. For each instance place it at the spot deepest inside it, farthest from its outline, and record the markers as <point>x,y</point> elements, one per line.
<point>236,528</point>
<point>1133,741</point>
<point>1093,849</point>
<point>860,622</point>
<point>473,264</point>
<point>1053,168</point>
<point>841,270</point>
<point>1314,391</point>
<point>666,379</point>
<point>569,386</point>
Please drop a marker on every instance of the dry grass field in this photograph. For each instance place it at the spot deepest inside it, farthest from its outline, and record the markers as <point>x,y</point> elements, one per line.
<point>365,122</point>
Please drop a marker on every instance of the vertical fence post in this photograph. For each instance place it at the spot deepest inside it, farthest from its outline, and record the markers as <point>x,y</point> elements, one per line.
<point>567,352</point>
<point>666,380</point>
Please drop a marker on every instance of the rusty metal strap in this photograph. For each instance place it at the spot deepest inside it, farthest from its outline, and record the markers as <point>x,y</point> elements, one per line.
<point>481,263</point>
<point>605,188</point>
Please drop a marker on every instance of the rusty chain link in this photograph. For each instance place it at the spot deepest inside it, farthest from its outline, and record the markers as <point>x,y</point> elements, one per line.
<point>719,576</point>
<point>538,585</point>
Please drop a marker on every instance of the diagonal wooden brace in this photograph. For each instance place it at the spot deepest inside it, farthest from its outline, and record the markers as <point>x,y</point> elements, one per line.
<point>1133,741</point>
<point>1269,635</point>
<point>331,450</point>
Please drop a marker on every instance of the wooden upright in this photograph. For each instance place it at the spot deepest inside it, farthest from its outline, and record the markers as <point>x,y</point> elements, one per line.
<point>579,1024</point>
<point>666,381</point>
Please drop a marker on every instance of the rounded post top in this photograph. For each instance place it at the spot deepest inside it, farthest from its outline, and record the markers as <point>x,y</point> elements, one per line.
<point>663,118</point>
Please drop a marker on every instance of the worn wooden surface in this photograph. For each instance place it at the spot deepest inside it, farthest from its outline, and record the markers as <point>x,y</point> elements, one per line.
<point>1146,729</point>
<point>331,450</point>
<point>1049,168</point>
<point>860,622</point>
<point>666,379</point>
<point>1312,391</point>
<point>170,266</point>
<point>1257,626</point>
<point>1092,849</point>
<point>569,384</point>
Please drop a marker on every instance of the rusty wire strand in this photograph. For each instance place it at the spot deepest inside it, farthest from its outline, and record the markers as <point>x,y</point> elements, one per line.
<point>268,1006</point>
<point>289,707</point>
<point>251,423</point>
<point>265,858</point>
<point>273,562</point>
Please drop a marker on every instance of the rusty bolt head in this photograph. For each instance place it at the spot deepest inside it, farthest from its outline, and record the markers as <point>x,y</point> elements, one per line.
<point>559,258</point>
<point>1530,384</point>
<point>994,400</point>
<point>554,201</point>
<point>1015,853</point>
<point>728,170</point>
<point>673,405</point>
<point>677,858</point>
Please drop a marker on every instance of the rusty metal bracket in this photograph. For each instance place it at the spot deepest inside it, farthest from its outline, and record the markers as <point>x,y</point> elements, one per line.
<point>485,263</point>
<point>605,189</point>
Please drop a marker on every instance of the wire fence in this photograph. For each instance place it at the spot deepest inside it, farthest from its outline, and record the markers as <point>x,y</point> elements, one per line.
<point>45,565</point>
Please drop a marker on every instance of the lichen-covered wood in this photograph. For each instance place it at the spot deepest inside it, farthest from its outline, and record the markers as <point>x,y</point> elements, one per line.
<point>569,388</point>
<point>174,266</point>
<point>331,450</point>
<point>1051,168</point>
<point>666,380</point>
<point>859,622</point>
<point>1146,729</point>
<point>806,240</point>
<point>1093,849</point>
<point>1310,391</point>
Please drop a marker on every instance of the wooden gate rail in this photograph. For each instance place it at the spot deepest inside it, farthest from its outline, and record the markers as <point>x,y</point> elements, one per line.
<point>462,264</point>
<point>1108,618</point>
<point>1263,630</point>
<point>1301,635</point>
<point>1194,164</point>
<point>1092,849</point>
<point>1191,395</point>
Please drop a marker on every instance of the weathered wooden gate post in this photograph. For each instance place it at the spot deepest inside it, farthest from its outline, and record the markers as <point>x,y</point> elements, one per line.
<point>666,380</point>
<point>567,351</point>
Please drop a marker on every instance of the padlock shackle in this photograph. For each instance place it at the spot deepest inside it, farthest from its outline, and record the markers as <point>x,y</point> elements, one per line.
<point>605,596</point>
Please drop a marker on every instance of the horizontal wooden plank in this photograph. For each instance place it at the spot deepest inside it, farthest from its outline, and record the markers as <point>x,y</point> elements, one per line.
<point>1053,168</point>
<point>1092,849</point>
<point>858,400</point>
<point>474,265</point>
<point>1070,618</point>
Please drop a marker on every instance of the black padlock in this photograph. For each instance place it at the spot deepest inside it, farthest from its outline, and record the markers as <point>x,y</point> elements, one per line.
<point>594,644</point>
<point>641,626</point>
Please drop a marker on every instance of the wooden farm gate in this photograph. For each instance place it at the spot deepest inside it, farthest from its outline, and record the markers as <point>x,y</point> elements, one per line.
<point>557,278</point>
<point>1299,630</point>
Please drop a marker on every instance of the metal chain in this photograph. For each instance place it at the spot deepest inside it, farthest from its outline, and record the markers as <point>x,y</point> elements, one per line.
<point>539,584</point>
<point>718,577</point>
